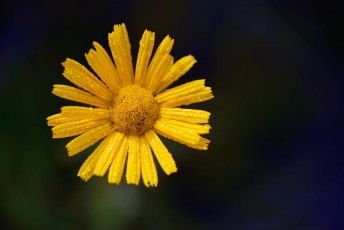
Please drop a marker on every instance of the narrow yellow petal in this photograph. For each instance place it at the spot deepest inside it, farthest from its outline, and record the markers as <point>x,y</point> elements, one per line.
<point>77,113</point>
<point>186,115</point>
<point>181,136</point>
<point>120,49</point>
<point>117,166</point>
<point>177,70</point>
<point>82,77</point>
<point>195,97</point>
<point>201,145</point>
<point>149,173</point>
<point>181,90</point>
<point>163,156</point>
<point>188,93</point>
<point>143,57</point>
<point>102,64</point>
<point>162,52</point>
<point>163,67</point>
<point>79,95</point>
<point>75,128</point>
<point>133,165</point>
<point>196,128</point>
<point>184,133</point>
<point>176,133</point>
<point>108,154</point>
<point>89,138</point>
<point>87,168</point>
<point>58,119</point>
<point>85,112</point>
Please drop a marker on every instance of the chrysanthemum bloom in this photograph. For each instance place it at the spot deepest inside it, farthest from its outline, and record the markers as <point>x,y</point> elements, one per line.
<point>129,109</point>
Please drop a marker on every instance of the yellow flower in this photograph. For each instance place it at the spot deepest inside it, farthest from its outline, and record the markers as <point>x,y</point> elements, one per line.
<point>129,109</point>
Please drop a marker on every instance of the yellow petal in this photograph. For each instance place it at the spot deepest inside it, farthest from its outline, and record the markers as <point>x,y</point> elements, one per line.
<point>181,90</point>
<point>80,112</point>
<point>177,70</point>
<point>176,133</point>
<point>120,49</point>
<point>202,95</point>
<point>201,145</point>
<point>89,138</point>
<point>182,136</point>
<point>188,93</point>
<point>164,48</point>
<point>196,128</point>
<point>163,156</point>
<point>149,173</point>
<point>133,165</point>
<point>79,95</point>
<point>77,113</point>
<point>102,64</point>
<point>75,128</point>
<point>110,150</point>
<point>58,119</point>
<point>143,57</point>
<point>87,168</point>
<point>117,166</point>
<point>160,64</point>
<point>82,77</point>
<point>162,68</point>
<point>186,115</point>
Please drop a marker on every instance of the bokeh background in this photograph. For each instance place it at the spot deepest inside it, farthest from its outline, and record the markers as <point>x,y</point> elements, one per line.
<point>276,157</point>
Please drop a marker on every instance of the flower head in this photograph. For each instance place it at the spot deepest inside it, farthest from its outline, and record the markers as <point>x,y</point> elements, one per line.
<point>129,108</point>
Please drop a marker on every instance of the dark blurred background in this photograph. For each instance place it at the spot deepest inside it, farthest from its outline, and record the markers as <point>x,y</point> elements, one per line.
<point>276,157</point>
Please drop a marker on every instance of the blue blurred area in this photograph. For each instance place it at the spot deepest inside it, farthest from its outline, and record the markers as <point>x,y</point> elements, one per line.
<point>276,157</point>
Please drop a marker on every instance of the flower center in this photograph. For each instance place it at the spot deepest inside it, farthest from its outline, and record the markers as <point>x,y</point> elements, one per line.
<point>134,110</point>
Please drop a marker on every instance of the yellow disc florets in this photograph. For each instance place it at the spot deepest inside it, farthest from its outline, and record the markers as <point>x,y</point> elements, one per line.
<point>134,110</point>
